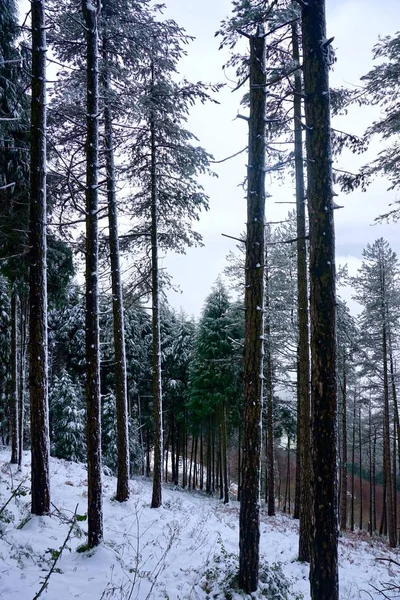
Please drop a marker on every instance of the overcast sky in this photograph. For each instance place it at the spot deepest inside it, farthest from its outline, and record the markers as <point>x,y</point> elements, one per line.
<point>356,25</point>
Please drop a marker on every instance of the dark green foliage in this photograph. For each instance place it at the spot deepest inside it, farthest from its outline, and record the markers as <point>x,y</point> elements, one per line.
<point>211,378</point>
<point>108,431</point>
<point>67,335</point>
<point>67,418</point>
<point>14,147</point>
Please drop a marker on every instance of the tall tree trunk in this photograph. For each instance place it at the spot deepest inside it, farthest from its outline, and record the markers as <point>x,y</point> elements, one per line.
<point>195,464</point>
<point>396,427</point>
<point>239,465</point>
<point>121,396</point>
<point>374,482</point>
<point>394,477</point>
<point>249,520</point>
<point>141,434</point>
<point>166,450</point>
<point>286,504</point>
<point>343,473</point>
<point>353,458</point>
<point>93,399</point>
<point>147,453</point>
<point>225,455</point>
<point>201,460</point>
<point>156,499</point>
<point>38,374</point>
<point>324,558</point>
<point>370,467</point>
<point>383,521</point>
<point>213,469</point>
<point>361,469</point>
<point>209,462</point>
<point>178,450</point>
<point>22,364</point>
<point>391,525</point>
<point>270,448</point>
<point>220,476</point>
<point>172,437</point>
<point>191,464</point>
<point>14,421</point>
<point>184,454</point>
<point>303,478</point>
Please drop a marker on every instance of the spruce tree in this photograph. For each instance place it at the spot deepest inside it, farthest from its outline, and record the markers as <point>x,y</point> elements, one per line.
<point>67,418</point>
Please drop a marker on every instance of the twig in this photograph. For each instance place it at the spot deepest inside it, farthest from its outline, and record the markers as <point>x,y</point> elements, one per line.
<point>58,554</point>
<point>233,238</point>
<point>14,493</point>
<point>217,162</point>
<point>389,560</point>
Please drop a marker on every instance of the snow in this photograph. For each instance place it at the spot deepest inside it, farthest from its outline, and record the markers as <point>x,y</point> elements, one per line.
<point>154,554</point>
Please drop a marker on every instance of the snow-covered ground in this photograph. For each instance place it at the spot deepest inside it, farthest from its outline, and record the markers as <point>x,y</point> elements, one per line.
<point>185,550</point>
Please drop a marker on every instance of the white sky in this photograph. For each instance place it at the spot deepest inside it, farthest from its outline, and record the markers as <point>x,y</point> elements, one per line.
<point>356,25</point>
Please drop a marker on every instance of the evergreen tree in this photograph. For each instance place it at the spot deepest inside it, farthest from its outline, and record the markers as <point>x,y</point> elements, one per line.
<point>177,351</point>
<point>108,431</point>
<point>347,341</point>
<point>67,418</point>
<point>95,511</point>
<point>382,88</point>
<point>38,367</point>
<point>377,290</point>
<point>210,373</point>
<point>211,379</point>
<point>67,335</point>
<point>316,56</point>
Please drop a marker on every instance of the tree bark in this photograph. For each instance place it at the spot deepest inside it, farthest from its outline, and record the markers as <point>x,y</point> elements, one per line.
<point>93,399</point>
<point>374,482</point>
<point>22,364</point>
<point>249,520</point>
<point>156,499</point>
<point>391,526</point>
<point>270,448</point>
<point>361,469</point>
<point>370,467</point>
<point>303,478</point>
<point>38,370</point>
<point>343,471</point>
<point>14,420</point>
<point>324,558</point>
<point>121,396</point>
<point>353,458</point>
<point>225,455</point>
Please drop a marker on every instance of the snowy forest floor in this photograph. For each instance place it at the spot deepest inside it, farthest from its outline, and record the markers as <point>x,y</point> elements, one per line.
<point>185,550</point>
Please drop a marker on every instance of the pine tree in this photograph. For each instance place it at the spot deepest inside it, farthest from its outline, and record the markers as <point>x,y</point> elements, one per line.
<point>381,87</point>
<point>38,375</point>
<point>14,191</point>
<point>377,290</point>
<point>95,510</point>
<point>324,566</point>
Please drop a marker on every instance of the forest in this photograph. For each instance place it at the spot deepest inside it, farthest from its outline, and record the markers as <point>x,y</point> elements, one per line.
<point>278,405</point>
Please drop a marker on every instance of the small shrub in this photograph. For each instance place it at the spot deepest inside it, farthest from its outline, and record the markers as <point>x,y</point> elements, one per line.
<point>221,581</point>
